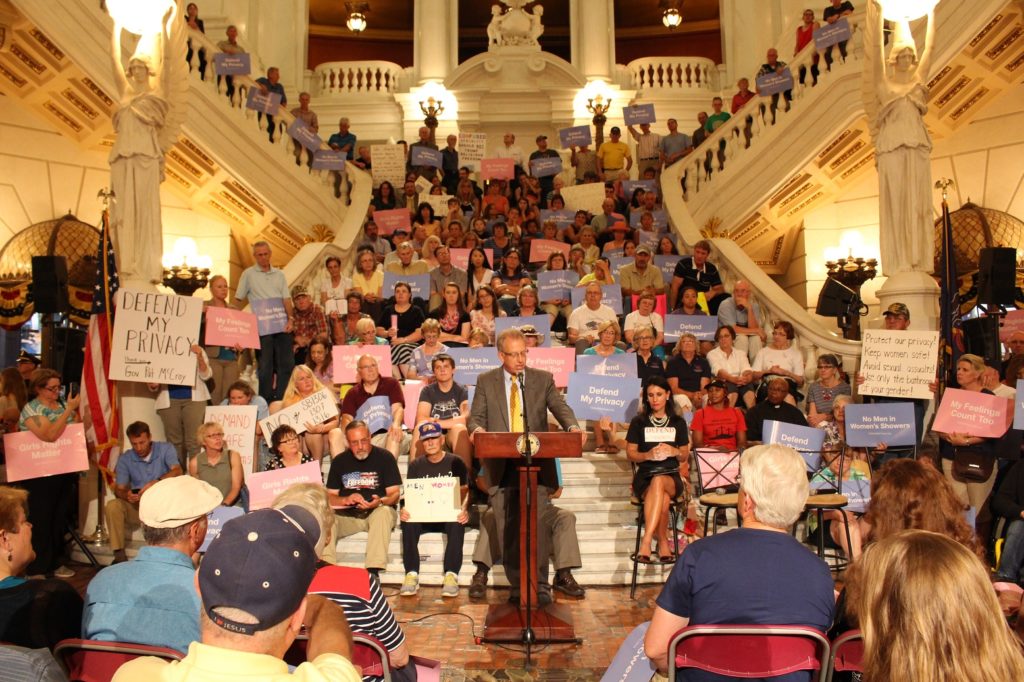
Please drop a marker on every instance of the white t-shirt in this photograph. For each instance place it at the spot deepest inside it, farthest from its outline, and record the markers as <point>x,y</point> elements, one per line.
<point>788,359</point>
<point>635,321</point>
<point>734,364</point>
<point>586,321</point>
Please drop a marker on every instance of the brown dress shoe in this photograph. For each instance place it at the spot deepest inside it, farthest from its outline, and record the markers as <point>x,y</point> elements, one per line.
<point>566,584</point>
<point>478,587</point>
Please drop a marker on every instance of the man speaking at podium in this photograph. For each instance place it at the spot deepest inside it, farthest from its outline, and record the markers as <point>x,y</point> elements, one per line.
<point>501,397</point>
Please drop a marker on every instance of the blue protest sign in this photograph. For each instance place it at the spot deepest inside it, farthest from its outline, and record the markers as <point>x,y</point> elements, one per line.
<point>1018,406</point>
<point>471,362</point>
<point>873,423</point>
<point>271,317</point>
<point>328,159</point>
<point>556,284</point>
<point>419,284</point>
<point>612,297</point>
<point>830,34</point>
<point>637,114</point>
<point>424,156</point>
<point>304,135</point>
<point>774,83</point>
<point>618,365</point>
<point>648,239</point>
<point>215,521</point>
<point>576,136</point>
<point>542,323</point>
<point>618,261</point>
<point>562,218</point>
<point>376,412</point>
<point>802,438</point>
<point>545,166</point>
<point>701,326</point>
<point>629,186</point>
<point>660,221</point>
<point>268,103</point>
<point>593,397</point>
<point>630,663</point>
<point>667,265</point>
<point>225,64</point>
<point>858,494</point>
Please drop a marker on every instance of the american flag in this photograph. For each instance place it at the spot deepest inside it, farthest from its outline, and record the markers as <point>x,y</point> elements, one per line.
<point>949,305</point>
<point>99,394</point>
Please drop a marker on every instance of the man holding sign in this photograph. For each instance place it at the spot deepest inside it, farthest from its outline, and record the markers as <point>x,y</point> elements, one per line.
<point>264,282</point>
<point>447,513</point>
<point>271,84</point>
<point>547,182</point>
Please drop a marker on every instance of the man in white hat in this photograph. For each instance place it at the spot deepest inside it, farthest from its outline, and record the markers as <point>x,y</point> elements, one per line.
<point>152,599</point>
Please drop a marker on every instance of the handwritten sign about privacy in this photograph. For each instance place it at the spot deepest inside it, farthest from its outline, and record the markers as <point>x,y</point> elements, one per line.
<point>153,338</point>
<point>899,364</point>
<point>239,424</point>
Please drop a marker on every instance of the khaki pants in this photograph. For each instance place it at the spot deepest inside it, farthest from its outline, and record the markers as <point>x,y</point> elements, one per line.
<point>182,420</point>
<point>120,514</point>
<point>378,525</point>
<point>557,524</point>
<point>973,494</point>
<point>750,344</point>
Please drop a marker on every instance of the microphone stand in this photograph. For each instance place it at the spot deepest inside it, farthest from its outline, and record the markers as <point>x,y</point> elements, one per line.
<point>528,634</point>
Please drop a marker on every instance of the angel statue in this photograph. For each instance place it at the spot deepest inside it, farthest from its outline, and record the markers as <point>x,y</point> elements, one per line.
<point>152,88</point>
<point>902,144</point>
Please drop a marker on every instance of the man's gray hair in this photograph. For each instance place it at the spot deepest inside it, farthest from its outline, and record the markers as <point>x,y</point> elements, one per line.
<point>260,243</point>
<point>775,478</point>
<point>510,334</point>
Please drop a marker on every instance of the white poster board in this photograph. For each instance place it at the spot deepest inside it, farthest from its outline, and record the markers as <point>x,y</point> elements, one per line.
<point>388,164</point>
<point>153,338</point>
<point>433,500</point>
<point>239,424</point>
<point>899,364</point>
<point>588,197</point>
<point>316,409</point>
<point>472,147</point>
<point>439,202</point>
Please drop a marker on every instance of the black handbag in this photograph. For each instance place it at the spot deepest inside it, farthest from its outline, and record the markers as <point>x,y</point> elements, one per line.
<point>972,466</point>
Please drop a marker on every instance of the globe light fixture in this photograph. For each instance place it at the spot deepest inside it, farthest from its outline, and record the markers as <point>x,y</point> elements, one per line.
<point>671,18</point>
<point>356,22</point>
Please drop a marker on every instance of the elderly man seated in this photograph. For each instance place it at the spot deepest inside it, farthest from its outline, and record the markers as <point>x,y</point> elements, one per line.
<point>715,582</point>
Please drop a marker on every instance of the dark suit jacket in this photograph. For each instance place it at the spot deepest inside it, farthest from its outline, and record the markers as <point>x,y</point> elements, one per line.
<point>490,412</point>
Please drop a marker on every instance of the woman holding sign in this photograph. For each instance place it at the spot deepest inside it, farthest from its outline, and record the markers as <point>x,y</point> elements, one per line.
<point>318,438</point>
<point>658,444</point>
<point>400,324</point>
<point>223,361</point>
<point>242,393</point>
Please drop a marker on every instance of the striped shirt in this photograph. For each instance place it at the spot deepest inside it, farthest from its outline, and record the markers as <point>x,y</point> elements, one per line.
<point>646,145</point>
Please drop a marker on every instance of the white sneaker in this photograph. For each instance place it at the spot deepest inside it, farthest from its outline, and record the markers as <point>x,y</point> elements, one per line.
<point>411,585</point>
<point>63,572</point>
<point>451,585</point>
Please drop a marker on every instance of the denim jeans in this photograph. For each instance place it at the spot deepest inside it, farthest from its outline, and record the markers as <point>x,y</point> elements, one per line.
<point>1012,559</point>
<point>276,357</point>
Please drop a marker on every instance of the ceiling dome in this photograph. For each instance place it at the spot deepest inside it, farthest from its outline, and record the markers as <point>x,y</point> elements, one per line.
<point>974,228</point>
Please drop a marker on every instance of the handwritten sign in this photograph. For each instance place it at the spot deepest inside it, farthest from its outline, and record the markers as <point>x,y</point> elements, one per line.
<point>611,296</point>
<point>329,159</point>
<point>271,317</point>
<point>215,521</point>
<point>229,327</point>
<point>376,412</point>
<point>576,136</point>
<point>314,409</point>
<point>419,285</point>
<point>1012,322</point>
<point>153,338</point>
<point>390,220</point>
<point>302,133</point>
<point>239,424</point>
<point>1018,406</point>
<point>268,103</point>
<point>542,323</point>
<point>344,360</point>
<point>335,306</point>
<point>638,113</point>
<point>423,185</point>
<point>974,413</point>
<point>388,164</point>
<point>472,148</point>
<point>890,423</point>
<point>29,457</point>
<point>899,364</point>
<point>238,64</point>
<point>438,202</point>
<point>593,397</point>
<point>266,485</point>
<point>774,83</point>
<point>830,34</point>
<point>560,362</point>
<point>470,363</point>
<point>701,326</point>
<point>800,438</point>
<point>588,197</point>
<point>540,249</point>
<point>556,284</point>
<point>433,500</point>
<point>544,166</point>
<point>424,156</point>
<point>497,169</point>
<point>618,365</point>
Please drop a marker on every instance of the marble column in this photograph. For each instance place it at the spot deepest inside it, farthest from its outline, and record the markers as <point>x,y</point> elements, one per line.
<point>435,36</point>
<point>592,28</point>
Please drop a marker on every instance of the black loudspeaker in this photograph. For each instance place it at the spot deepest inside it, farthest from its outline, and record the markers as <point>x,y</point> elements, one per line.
<point>981,337</point>
<point>69,353</point>
<point>835,299</point>
<point>997,273</point>
<point>50,284</point>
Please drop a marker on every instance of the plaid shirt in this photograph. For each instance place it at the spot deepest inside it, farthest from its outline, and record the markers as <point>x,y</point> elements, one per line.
<point>309,324</point>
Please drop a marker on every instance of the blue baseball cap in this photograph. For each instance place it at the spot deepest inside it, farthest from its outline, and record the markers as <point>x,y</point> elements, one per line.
<point>430,430</point>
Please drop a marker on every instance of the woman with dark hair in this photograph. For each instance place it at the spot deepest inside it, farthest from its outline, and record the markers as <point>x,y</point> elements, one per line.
<point>335,284</point>
<point>667,247</point>
<point>485,312</point>
<point>343,327</point>
<point>286,450</point>
<point>494,199</point>
<point>657,442</point>
<point>555,306</point>
<point>12,389</point>
<point>384,198</point>
<point>426,219</point>
<point>829,386</point>
<point>452,317</point>
<point>193,21</point>
<point>480,273</point>
<point>509,278</point>
<point>499,241</point>
<point>400,323</point>
<point>731,366</point>
<point>320,360</point>
<point>780,358</point>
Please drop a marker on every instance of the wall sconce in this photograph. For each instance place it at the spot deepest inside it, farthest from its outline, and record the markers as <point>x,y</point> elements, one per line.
<point>356,21</point>
<point>185,270</point>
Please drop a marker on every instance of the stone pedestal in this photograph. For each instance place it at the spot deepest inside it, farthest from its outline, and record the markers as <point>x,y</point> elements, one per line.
<point>919,292</point>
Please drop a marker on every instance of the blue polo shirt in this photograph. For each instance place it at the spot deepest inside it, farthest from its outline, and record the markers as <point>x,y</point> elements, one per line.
<point>149,600</point>
<point>134,471</point>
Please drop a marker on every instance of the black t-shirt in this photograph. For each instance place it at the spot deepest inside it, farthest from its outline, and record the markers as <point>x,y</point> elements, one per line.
<point>444,405</point>
<point>653,366</point>
<point>831,11</point>
<point>701,280</point>
<point>450,465</point>
<point>690,373</point>
<point>368,477</point>
<point>408,322</point>
<point>441,315</point>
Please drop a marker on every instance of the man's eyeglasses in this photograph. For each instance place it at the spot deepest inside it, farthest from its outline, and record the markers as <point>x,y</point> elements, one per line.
<point>515,356</point>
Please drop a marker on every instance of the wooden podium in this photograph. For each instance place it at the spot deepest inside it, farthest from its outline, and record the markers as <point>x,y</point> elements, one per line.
<point>510,622</point>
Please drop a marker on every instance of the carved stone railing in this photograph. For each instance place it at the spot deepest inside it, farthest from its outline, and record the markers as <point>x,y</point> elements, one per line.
<point>356,78</point>
<point>672,74</point>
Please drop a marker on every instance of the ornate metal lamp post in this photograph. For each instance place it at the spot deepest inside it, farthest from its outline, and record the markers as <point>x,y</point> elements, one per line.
<point>852,272</point>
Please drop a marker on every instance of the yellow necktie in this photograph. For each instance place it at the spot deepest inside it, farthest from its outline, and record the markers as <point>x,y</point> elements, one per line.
<point>516,408</point>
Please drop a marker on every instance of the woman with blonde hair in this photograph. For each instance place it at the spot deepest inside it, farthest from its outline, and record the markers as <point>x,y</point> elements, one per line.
<point>217,465</point>
<point>927,611</point>
<point>428,252</point>
<point>420,368</point>
<point>318,438</point>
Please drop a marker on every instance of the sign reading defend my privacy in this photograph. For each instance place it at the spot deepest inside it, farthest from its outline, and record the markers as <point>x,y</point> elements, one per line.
<point>153,338</point>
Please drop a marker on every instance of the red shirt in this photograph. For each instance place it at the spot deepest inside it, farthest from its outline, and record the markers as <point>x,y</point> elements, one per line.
<point>719,426</point>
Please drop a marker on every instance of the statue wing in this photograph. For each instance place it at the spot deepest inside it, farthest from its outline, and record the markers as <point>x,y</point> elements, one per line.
<point>174,79</point>
<point>874,66</point>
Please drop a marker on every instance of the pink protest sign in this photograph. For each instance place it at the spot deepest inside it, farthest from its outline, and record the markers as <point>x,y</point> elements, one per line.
<point>229,327</point>
<point>411,390</point>
<point>388,221</point>
<point>540,248</point>
<point>559,361</point>
<point>974,413</point>
<point>460,257</point>
<point>1013,322</point>
<point>500,169</point>
<point>344,361</point>
<point>30,457</point>
<point>265,486</point>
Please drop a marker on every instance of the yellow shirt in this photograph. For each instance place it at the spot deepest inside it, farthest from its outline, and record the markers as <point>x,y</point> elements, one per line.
<point>371,285</point>
<point>613,155</point>
<point>417,267</point>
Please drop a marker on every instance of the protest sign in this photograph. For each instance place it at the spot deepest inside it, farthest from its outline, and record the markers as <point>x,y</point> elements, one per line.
<point>472,147</point>
<point>593,397</point>
<point>345,358</point>
<point>977,414</point>
<point>411,392</point>
<point>542,323</point>
<point>215,521</point>
<point>471,362</point>
<point>774,83</point>
<point>266,485</point>
<point>899,364</point>
<point>238,64</point>
<point>562,217</point>
<point>28,456</point>
<point>1018,406</point>
<point>419,285</point>
<point>701,326</point>
<point>873,423</point>
<point>611,296</point>
<point>390,220</point>
<point>588,197</point>
<point>541,248</point>
<point>388,164</point>
<point>830,34</point>
<point>561,362</point>
<point>1012,322</point>
<point>302,133</point>
<point>659,222</point>
<point>271,317</point>
<point>637,114</point>
<point>314,409</point>
<point>239,424</point>
<point>618,365</point>
<point>423,185</point>
<point>545,166</point>
<point>433,500</point>
<point>667,265</point>
<point>575,136</point>
<point>267,103</point>
<point>229,327</point>
<point>616,261</point>
<point>801,438</point>
<point>424,156</point>
<point>497,169</point>
<point>460,257</point>
<point>376,412</point>
<point>556,284</point>
<point>630,186</point>
<point>329,159</point>
<point>718,468</point>
<point>335,306</point>
<point>438,202</point>
<point>153,338</point>
<point>857,492</point>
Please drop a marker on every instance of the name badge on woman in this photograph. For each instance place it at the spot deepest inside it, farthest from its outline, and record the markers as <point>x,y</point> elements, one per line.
<point>659,434</point>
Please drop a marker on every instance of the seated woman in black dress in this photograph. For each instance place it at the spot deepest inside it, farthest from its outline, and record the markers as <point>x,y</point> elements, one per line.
<point>657,441</point>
